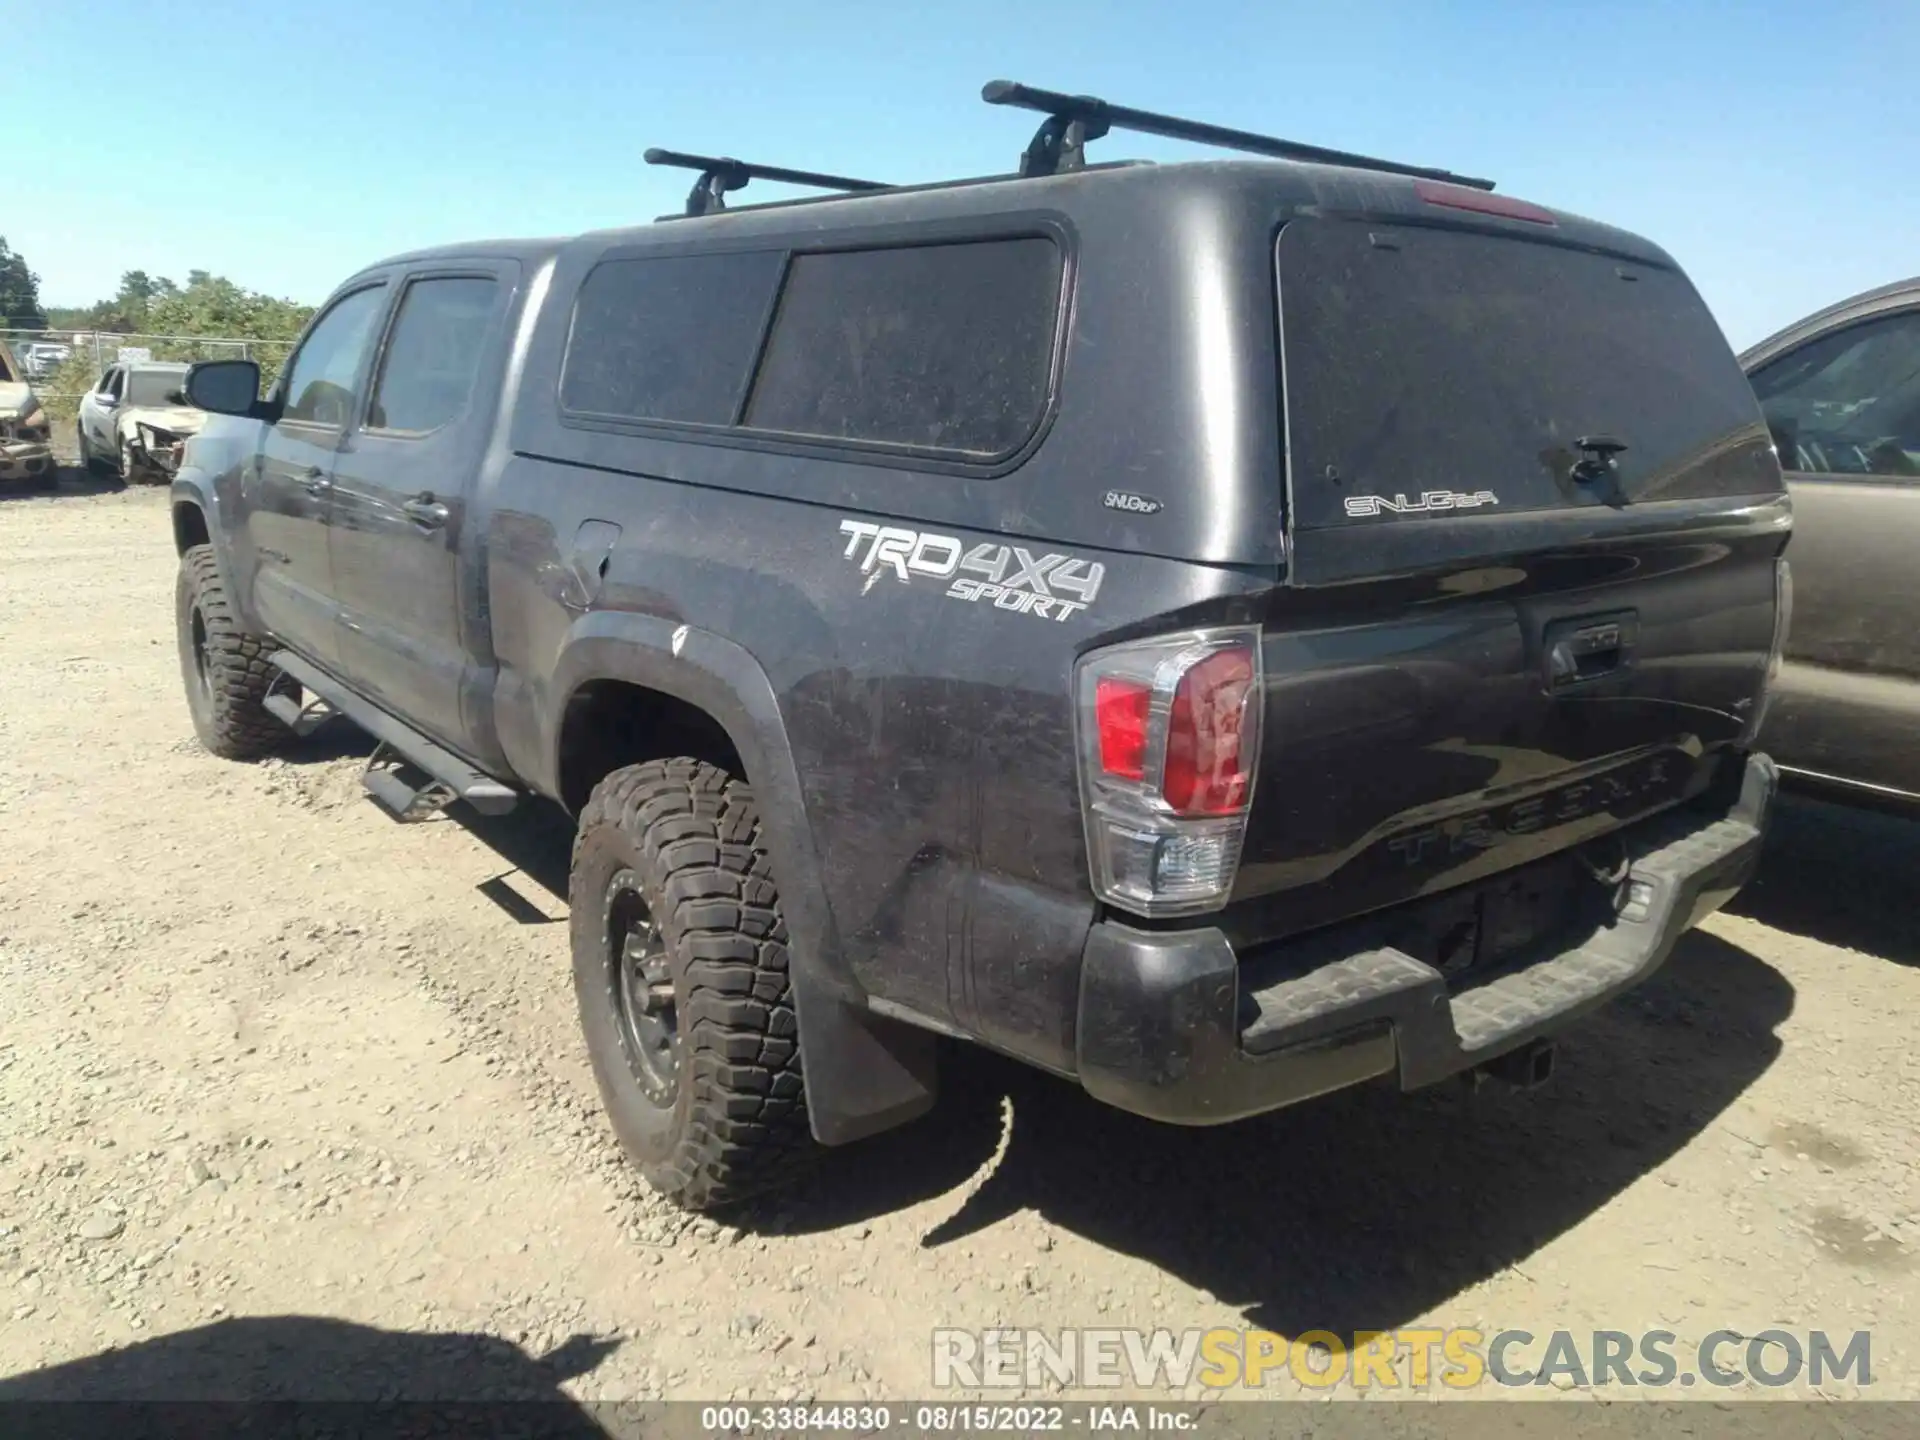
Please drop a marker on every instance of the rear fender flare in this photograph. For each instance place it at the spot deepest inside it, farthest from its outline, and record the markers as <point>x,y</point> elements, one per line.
<point>864,1072</point>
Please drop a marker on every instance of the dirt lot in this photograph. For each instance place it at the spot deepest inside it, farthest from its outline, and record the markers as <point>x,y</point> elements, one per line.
<point>265,1053</point>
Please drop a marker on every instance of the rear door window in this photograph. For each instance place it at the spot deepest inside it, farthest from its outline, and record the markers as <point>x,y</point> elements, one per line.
<point>943,348</point>
<point>1436,370</point>
<point>433,353</point>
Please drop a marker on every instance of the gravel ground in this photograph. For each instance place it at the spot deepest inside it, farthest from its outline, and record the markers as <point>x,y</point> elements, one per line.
<point>266,1054</point>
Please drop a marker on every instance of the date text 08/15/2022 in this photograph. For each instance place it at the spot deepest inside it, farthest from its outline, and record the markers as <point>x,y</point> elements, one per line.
<point>1092,1418</point>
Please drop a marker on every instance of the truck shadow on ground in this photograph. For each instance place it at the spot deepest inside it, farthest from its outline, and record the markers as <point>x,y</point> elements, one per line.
<point>1838,875</point>
<point>536,840</point>
<point>249,1367</point>
<point>1361,1210</point>
<point>335,740</point>
<point>68,481</point>
<point>1364,1209</point>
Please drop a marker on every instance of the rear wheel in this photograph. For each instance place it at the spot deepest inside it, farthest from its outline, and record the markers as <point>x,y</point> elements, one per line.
<point>225,669</point>
<point>680,969</point>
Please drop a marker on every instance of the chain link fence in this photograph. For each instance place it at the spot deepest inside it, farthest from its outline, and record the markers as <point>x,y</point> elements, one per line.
<point>63,365</point>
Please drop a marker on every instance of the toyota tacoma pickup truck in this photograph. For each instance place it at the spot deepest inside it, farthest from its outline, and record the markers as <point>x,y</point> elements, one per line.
<point>1216,632</point>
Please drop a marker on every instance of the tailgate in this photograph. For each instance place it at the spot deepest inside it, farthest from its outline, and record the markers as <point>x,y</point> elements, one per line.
<point>1488,650</point>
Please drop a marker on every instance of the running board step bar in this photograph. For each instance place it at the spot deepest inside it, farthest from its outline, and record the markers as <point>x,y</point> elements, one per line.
<point>449,777</point>
<point>303,720</point>
<point>393,789</point>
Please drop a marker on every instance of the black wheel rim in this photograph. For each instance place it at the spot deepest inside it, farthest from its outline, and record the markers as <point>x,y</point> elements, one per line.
<point>640,984</point>
<point>202,654</point>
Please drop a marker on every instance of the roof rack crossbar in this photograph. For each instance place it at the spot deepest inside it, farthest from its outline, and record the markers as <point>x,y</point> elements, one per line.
<point>1072,120</point>
<point>720,174</point>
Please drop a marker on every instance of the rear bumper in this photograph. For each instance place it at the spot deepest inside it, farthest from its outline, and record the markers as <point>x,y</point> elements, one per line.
<point>1175,1026</point>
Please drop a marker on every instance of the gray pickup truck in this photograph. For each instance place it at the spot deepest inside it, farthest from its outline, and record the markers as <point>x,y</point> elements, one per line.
<point>1216,632</point>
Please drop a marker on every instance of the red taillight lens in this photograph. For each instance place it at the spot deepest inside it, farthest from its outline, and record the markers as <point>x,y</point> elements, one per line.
<point>1463,197</point>
<point>1206,771</point>
<point>1169,740</point>
<point>1120,708</point>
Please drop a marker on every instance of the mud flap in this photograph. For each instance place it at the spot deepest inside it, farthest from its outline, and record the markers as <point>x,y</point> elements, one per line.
<point>865,1073</point>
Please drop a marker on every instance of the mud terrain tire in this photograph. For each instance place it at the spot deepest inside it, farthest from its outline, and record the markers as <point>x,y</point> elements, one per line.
<point>680,970</point>
<point>225,669</point>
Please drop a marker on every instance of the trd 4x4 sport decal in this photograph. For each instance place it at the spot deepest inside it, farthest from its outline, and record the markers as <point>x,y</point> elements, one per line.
<point>1009,577</point>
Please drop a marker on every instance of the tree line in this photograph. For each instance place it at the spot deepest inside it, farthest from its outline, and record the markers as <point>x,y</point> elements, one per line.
<point>149,305</point>
<point>205,304</point>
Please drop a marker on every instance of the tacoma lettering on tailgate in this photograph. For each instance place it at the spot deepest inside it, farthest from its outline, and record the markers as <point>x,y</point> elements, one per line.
<point>1625,791</point>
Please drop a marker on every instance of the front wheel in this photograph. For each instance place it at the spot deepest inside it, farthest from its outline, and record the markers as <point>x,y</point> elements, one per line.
<point>227,674</point>
<point>680,970</point>
<point>90,462</point>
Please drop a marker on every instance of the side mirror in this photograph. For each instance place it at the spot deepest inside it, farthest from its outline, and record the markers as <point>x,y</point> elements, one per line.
<point>224,387</point>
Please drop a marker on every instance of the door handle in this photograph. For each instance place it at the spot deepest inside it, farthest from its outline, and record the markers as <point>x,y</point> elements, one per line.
<point>426,512</point>
<point>315,482</point>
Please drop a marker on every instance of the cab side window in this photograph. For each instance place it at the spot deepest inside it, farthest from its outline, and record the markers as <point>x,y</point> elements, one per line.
<point>319,383</point>
<point>1848,403</point>
<point>111,383</point>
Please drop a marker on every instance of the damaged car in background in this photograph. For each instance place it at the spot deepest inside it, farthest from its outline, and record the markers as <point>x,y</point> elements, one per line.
<point>26,450</point>
<point>137,421</point>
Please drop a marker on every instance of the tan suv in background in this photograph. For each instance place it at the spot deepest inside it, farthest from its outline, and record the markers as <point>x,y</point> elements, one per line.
<point>1841,393</point>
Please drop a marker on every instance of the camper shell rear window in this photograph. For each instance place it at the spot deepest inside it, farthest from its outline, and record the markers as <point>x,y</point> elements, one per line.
<point>1425,361</point>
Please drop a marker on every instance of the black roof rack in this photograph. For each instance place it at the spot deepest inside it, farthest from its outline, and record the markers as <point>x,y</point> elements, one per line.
<point>719,174</point>
<point>1072,120</point>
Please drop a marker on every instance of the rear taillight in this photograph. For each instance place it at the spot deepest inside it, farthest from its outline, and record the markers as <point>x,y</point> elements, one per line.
<point>1208,768</point>
<point>1120,708</point>
<point>1169,742</point>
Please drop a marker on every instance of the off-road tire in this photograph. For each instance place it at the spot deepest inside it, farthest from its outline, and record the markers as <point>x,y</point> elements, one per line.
<point>229,714</point>
<point>688,838</point>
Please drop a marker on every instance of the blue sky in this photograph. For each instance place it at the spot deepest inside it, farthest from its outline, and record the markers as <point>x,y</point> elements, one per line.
<point>1769,146</point>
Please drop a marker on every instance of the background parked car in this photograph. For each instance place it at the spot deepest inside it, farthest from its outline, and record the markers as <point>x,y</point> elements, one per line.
<point>136,419</point>
<point>25,451</point>
<point>1841,392</point>
<point>40,358</point>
